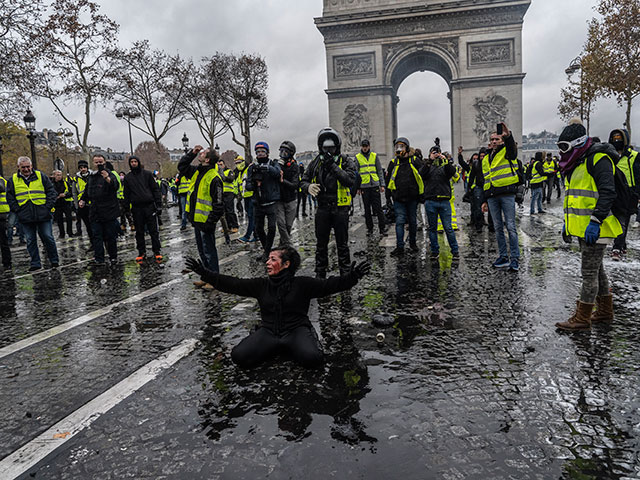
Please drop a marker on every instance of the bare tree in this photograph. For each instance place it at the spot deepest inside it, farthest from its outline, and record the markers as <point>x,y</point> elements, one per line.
<point>614,48</point>
<point>245,95</point>
<point>152,155</point>
<point>72,58</point>
<point>203,98</point>
<point>152,82</point>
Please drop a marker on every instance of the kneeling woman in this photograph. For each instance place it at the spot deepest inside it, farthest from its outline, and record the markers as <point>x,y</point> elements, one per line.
<point>284,305</point>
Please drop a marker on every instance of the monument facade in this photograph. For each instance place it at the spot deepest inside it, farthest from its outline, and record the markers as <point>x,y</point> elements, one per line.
<point>373,45</point>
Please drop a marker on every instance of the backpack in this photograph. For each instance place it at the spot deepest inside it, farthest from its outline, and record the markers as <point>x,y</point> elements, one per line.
<point>626,202</point>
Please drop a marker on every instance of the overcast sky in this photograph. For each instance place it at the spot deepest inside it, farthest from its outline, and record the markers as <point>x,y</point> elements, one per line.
<point>283,32</point>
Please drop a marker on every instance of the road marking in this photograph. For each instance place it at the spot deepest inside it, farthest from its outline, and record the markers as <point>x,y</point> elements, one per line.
<point>355,227</point>
<point>37,449</point>
<point>27,342</point>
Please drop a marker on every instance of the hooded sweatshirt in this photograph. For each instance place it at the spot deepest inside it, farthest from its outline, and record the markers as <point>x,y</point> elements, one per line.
<point>140,188</point>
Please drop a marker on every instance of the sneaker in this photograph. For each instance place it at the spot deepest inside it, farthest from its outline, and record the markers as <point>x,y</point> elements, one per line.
<point>158,257</point>
<point>501,262</point>
<point>114,262</point>
<point>413,247</point>
<point>542,211</point>
<point>434,256</point>
<point>33,269</point>
<point>233,230</point>
<point>455,255</point>
<point>253,240</point>
<point>616,255</point>
<point>208,287</point>
<point>244,239</point>
<point>183,228</point>
<point>514,266</point>
<point>199,283</point>
<point>397,252</point>
<point>140,259</point>
<point>636,224</point>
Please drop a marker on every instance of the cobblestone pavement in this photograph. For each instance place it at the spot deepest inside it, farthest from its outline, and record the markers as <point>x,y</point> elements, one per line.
<point>471,381</point>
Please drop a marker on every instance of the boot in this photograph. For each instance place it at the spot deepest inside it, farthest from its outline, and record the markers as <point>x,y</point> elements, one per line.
<point>604,309</point>
<point>580,320</point>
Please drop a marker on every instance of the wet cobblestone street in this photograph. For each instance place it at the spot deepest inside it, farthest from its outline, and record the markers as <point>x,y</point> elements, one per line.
<point>472,379</point>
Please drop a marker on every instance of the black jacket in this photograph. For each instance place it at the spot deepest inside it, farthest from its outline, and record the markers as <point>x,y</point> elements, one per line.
<point>141,189</point>
<point>216,189</point>
<point>267,174</point>
<point>30,213</point>
<point>290,181</point>
<point>284,300</point>
<point>437,181</point>
<point>62,187</point>
<point>406,187</point>
<point>327,174</point>
<point>102,197</point>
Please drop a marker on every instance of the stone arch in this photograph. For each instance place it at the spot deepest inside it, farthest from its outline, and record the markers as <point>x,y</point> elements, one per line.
<point>419,58</point>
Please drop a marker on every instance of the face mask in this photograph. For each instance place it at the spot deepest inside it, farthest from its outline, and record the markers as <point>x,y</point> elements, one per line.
<point>240,166</point>
<point>618,145</point>
<point>285,154</point>
<point>330,151</point>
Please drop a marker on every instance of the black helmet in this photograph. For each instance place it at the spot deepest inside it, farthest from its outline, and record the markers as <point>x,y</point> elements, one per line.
<point>403,140</point>
<point>329,133</point>
<point>289,146</point>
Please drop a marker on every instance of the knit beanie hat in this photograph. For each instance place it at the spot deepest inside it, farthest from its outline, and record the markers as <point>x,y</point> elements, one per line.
<point>574,130</point>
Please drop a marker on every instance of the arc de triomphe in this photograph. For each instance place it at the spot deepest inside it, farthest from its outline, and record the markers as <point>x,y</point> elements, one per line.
<point>373,45</point>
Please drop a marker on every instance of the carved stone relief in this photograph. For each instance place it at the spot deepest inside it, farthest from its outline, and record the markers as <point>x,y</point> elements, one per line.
<point>355,126</point>
<point>359,65</point>
<point>450,45</point>
<point>498,53</point>
<point>490,110</point>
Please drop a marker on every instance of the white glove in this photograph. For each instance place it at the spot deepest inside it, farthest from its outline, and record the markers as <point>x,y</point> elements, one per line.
<point>314,189</point>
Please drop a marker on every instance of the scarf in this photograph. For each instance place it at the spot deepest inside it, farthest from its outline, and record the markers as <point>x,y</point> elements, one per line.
<point>569,159</point>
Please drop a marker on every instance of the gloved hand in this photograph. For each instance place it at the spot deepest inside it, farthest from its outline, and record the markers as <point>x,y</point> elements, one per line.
<point>314,189</point>
<point>592,233</point>
<point>361,269</point>
<point>328,160</point>
<point>196,266</point>
<point>565,236</point>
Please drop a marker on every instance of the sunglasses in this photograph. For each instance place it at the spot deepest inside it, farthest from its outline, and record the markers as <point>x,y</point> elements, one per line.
<point>564,147</point>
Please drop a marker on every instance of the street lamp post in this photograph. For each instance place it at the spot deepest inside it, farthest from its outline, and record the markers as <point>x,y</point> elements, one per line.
<point>65,133</point>
<point>30,123</point>
<point>185,142</point>
<point>575,66</point>
<point>128,114</point>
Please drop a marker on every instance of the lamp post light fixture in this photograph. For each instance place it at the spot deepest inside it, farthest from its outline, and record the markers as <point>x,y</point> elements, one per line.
<point>30,124</point>
<point>576,66</point>
<point>128,114</point>
<point>217,148</point>
<point>185,142</point>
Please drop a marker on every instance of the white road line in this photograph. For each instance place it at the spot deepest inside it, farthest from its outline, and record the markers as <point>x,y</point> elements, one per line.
<point>355,227</point>
<point>27,342</point>
<point>33,452</point>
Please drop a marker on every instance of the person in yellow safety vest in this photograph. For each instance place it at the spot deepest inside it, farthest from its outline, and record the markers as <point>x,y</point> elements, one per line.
<point>330,177</point>
<point>371,186</point>
<point>229,196</point>
<point>62,212</point>
<point>242,169</point>
<point>204,205</point>
<point>588,169</point>
<point>407,188</point>
<point>630,166</point>
<point>5,251</point>
<point>500,184</point>
<point>550,173</point>
<point>557,179</point>
<point>454,218</point>
<point>82,213</point>
<point>536,181</point>
<point>173,189</point>
<point>184,183</point>
<point>436,174</point>
<point>31,195</point>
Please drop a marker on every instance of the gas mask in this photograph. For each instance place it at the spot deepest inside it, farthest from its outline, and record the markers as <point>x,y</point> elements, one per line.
<point>329,147</point>
<point>400,149</point>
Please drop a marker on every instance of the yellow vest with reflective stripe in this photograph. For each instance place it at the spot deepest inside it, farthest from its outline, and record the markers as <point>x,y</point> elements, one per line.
<point>368,169</point>
<point>535,176</point>
<point>82,184</point>
<point>33,192</point>
<point>580,200</point>
<point>183,186</point>
<point>241,183</point>
<point>625,164</point>
<point>120,192</point>
<point>343,193</point>
<point>67,190</point>
<point>4,206</point>
<point>228,187</point>
<point>392,180</point>
<point>548,167</point>
<point>204,202</point>
<point>500,172</point>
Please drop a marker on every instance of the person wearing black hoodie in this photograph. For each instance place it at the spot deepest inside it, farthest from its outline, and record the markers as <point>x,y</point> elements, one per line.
<point>630,166</point>
<point>141,191</point>
<point>204,204</point>
<point>289,185</point>
<point>284,307</point>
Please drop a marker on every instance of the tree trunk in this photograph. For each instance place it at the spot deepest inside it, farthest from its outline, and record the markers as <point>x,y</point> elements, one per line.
<point>628,118</point>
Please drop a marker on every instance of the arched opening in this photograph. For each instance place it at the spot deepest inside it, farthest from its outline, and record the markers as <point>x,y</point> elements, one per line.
<point>422,104</point>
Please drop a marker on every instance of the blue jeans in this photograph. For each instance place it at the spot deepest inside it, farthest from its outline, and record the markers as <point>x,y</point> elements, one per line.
<point>183,206</point>
<point>499,206</point>
<point>536,199</point>
<point>105,232</point>
<point>406,212</point>
<point>442,208</point>
<point>206,242</point>
<point>251,222</point>
<point>11,222</point>
<point>45,232</point>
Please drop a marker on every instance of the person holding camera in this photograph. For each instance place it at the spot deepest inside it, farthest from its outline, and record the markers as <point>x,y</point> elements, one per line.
<point>204,205</point>
<point>101,195</point>
<point>406,188</point>
<point>263,179</point>
<point>500,183</point>
<point>329,178</point>
<point>289,186</point>
<point>436,175</point>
